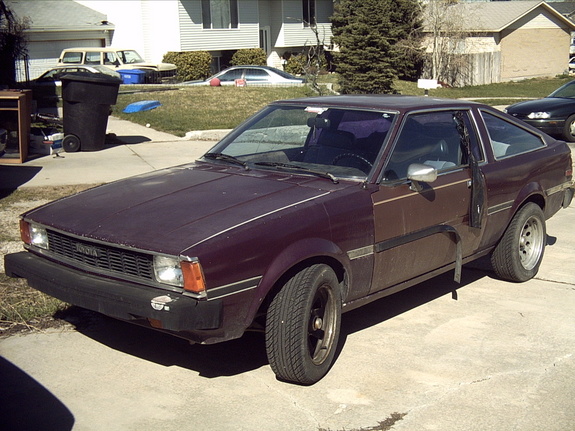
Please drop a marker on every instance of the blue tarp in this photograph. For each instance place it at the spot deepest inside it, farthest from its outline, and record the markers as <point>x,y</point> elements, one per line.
<point>144,105</point>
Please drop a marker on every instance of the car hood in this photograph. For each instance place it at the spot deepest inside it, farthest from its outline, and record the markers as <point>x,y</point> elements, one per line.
<point>169,211</point>
<point>155,66</point>
<point>551,104</point>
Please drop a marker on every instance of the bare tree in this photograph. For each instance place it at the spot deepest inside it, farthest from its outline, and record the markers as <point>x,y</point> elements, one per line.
<point>315,59</point>
<point>448,60</point>
<point>13,44</point>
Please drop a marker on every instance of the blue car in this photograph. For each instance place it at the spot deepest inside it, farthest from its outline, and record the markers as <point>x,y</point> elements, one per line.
<point>554,114</point>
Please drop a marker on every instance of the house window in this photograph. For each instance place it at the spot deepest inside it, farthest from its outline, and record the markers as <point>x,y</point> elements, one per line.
<point>309,18</point>
<point>220,13</point>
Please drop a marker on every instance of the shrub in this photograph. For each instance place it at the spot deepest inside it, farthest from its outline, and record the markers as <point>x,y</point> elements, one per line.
<point>192,65</point>
<point>299,64</point>
<point>295,64</point>
<point>251,56</point>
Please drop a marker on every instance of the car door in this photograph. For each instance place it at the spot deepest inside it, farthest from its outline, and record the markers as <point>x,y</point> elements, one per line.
<point>422,226</point>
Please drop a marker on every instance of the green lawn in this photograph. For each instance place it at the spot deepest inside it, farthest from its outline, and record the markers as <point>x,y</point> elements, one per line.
<point>202,108</point>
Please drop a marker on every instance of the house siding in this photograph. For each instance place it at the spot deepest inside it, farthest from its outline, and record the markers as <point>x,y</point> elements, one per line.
<point>294,33</point>
<point>551,55</point>
<point>150,27</point>
<point>193,37</point>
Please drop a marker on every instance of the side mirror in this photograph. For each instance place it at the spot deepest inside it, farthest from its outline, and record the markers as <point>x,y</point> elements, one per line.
<point>419,173</point>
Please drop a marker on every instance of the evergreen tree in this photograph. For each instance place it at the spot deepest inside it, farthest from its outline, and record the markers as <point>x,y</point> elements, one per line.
<point>378,41</point>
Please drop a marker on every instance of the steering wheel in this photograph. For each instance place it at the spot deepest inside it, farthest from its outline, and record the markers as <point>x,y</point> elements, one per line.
<point>351,156</point>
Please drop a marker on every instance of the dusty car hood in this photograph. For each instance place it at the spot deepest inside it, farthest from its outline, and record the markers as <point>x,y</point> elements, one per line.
<point>550,104</point>
<point>170,210</point>
<point>155,66</point>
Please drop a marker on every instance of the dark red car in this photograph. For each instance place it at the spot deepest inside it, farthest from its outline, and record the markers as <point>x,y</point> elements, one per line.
<point>310,208</point>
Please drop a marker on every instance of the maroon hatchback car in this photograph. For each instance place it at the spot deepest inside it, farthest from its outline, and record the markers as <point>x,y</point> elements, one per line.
<point>311,208</point>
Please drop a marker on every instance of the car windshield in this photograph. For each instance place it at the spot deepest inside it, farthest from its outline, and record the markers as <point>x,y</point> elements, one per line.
<point>130,57</point>
<point>330,142</point>
<point>566,91</point>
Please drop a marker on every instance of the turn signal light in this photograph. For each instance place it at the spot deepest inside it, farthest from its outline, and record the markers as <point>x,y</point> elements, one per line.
<point>193,277</point>
<point>25,232</point>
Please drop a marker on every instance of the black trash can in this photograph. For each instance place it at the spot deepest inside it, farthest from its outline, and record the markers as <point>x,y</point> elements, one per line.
<point>87,98</point>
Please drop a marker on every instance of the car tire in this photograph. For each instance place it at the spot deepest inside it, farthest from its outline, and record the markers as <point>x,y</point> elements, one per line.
<point>303,324</point>
<point>71,143</point>
<point>519,253</point>
<point>569,129</point>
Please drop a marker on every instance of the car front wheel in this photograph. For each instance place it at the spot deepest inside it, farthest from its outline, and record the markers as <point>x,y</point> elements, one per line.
<point>519,253</point>
<point>303,324</point>
<point>569,129</point>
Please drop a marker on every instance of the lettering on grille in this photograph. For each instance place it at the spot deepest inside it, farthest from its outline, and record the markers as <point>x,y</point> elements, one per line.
<point>102,257</point>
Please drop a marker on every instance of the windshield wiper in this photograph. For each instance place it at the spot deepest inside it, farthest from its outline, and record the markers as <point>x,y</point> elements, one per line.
<point>227,158</point>
<point>296,168</point>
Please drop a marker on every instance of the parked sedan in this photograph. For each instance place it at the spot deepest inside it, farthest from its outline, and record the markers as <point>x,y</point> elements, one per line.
<point>52,77</point>
<point>252,76</point>
<point>554,114</point>
<point>311,208</point>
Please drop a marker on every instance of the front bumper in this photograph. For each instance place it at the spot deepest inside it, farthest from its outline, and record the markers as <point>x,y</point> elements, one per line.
<point>165,310</point>
<point>552,127</point>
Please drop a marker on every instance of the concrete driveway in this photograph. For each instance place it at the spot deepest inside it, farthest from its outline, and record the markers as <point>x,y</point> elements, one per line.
<point>483,355</point>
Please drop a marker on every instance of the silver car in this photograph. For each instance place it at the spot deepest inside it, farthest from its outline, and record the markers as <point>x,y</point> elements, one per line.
<point>250,76</point>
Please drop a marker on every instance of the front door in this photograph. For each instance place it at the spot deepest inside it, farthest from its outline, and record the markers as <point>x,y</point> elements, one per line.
<point>423,226</point>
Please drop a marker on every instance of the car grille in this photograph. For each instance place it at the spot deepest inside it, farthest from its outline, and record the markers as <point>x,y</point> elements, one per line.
<point>102,257</point>
<point>520,116</point>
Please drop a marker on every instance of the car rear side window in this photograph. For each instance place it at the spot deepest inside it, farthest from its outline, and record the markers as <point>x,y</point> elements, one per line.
<point>508,139</point>
<point>72,57</point>
<point>93,58</point>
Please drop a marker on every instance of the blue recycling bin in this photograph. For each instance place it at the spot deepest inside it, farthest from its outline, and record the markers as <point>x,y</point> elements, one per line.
<point>132,76</point>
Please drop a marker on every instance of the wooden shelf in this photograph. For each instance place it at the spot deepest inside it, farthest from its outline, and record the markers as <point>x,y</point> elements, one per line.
<point>15,111</point>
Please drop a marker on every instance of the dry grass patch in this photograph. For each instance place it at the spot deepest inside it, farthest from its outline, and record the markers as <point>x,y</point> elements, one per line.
<point>21,307</point>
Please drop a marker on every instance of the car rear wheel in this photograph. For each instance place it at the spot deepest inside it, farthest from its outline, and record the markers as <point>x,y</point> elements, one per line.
<point>519,253</point>
<point>303,324</point>
<point>569,129</point>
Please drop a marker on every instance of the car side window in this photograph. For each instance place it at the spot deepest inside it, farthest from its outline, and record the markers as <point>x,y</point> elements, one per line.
<point>508,139</point>
<point>429,138</point>
<point>231,75</point>
<point>93,58</point>
<point>72,57</point>
<point>256,75</point>
<point>110,58</point>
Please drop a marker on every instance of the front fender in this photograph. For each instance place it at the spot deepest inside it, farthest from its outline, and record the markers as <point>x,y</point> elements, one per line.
<point>293,255</point>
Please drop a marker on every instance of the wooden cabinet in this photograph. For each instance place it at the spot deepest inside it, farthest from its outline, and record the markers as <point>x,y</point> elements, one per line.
<point>15,111</point>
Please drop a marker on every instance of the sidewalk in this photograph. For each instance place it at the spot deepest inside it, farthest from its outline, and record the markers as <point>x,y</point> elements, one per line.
<point>142,150</point>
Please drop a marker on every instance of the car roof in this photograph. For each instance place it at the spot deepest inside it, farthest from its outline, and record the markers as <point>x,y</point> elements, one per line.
<point>380,102</point>
<point>96,49</point>
<point>273,69</point>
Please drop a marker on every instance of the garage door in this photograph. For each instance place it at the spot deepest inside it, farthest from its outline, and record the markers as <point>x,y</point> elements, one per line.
<point>44,55</point>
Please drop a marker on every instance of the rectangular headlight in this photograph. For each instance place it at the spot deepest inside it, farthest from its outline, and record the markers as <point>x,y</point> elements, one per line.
<point>33,234</point>
<point>168,270</point>
<point>539,115</point>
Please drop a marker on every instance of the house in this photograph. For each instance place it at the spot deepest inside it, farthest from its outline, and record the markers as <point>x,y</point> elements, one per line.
<point>567,9</point>
<point>505,41</point>
<point>55,25</point>
<point>154,27</point>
